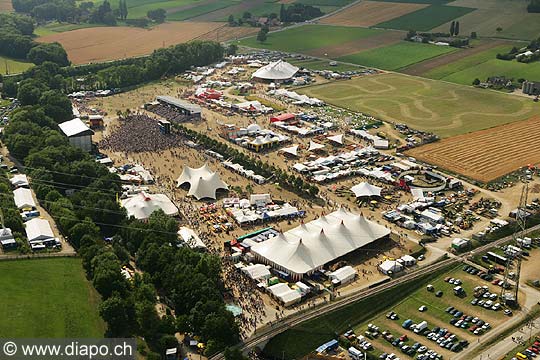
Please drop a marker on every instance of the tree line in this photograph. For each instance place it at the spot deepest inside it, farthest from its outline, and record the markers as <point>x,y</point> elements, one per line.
<point>534,6</point>
<point>81,196</point>
<point>16,42</point>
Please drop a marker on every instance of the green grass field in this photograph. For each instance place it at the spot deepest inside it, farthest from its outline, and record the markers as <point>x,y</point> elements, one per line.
<point>426,19</point>
<point>13,66</point>
<point>139,8</point>
<point>440,107</point>
<point>199,10</point>
<point>397,56</point>
<point>48,298</point>
<point>316,64</point>
<point>482,66</point>
<point>309,37</point>
<point>295,343</point>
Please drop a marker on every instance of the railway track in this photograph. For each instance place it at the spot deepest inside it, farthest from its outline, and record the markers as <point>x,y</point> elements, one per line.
<point>267,332</point>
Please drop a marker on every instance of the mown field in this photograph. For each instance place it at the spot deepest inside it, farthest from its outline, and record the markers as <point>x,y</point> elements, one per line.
<point>440,107</point>
<point>316,64</point>
<point>139,8</point>
<point>427,18</point>
<point>308,37</point>
<point>397,56</point>
<point>12,66</point>
<point>198,10</point>
<point>48,298</point>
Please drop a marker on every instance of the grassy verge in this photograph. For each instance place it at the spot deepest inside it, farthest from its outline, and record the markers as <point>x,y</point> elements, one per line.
<point>13,66</point>
<point>302,339</point>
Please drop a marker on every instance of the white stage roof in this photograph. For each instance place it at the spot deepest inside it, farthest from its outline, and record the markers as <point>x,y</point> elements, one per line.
<point>74,127</point>
<point>309,246</point>
<point>203,182</point>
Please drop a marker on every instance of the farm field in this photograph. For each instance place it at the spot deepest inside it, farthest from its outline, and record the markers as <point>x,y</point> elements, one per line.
<point>446,65</point>
<point>139,8</point>
<point>435,314</point>
<point>511,16</point>
<point>109,43</point>
<point>5,5</point>
<point>198,10</point>
<point>369,13</point>
<point>315,64</point>
<point>310,37</point>
<point>427,18</point>
<point>443,108</point>
<point>68,310</point>
<point>13,66</point>
<point>397,56</point>
<point>487,154</point>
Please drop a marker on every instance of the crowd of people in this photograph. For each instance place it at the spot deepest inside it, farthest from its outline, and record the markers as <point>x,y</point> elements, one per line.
<point>169,113</point>
<point>139,133</point>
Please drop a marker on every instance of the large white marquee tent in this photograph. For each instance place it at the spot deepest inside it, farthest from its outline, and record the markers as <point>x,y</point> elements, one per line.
<point>142,205</point>
<point>203,182</point>
<point>279,70</point>
<point>365,189</point>
<point>310,246</point>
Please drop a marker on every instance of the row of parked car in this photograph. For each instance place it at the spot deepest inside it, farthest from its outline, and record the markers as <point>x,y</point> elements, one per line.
<point>474,324</point>
<point>529,353</point>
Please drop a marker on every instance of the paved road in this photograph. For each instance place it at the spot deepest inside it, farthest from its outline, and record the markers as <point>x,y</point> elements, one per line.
<point>267,332</point>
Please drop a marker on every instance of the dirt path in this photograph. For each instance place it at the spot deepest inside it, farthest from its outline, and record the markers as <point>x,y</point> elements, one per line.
<point>423,67</point>
<point>386,38</point>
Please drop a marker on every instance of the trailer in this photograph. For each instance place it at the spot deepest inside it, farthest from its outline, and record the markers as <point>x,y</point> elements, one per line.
<point>501,260</point>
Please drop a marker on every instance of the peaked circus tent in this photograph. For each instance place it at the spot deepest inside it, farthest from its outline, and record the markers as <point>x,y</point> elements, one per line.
<point>336,138</point>
<point>313,146</point>
<point>142,205</point>
<point>366,189</point>
<point>203,182</point>
<point>279,70</point>
<point>310,246</point>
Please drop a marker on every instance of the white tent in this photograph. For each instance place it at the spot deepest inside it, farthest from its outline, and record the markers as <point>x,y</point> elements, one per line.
<point>257,271</point>
<point>23,198</point>
<point>190,238</point>
<point>203,182</point>
<point>293,150</point>
<point>390,267</point>
<point>19,180</point>
<point>285,294</point>
<point>366,189</point>
<point>336,138</point>
<point>310,246</point>
<point>38,230</point>
<point>313,146</point>
<point>142,205</point>
<point>343,275</point>
<point>279,70</point>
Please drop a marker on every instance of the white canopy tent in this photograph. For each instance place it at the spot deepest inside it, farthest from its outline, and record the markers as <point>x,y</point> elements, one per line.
<point>310,246</point>
<point>203,182</point>
<point>23,198</point>
<point>292,150</point>
<point>279,70</point>
<point>285,294</point>
<point>336,138</point>
<point>257,271</point>
<point>142,205</point>
<point>343,275</point>
<point>38,230</point>
<point>313,146</point>
<point>190,238</point>
<point>19,180</point>
<point>365,189</point>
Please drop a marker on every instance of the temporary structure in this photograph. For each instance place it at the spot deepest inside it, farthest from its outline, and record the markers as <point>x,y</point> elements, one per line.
<point>343,275</point>
<point>19,180</point>
<point>279,70</point>
<point>257,271</point>
<point>388,267</point>
<point>203,182</point>
<point>285,294</point>
<point>313,146</point>
<point>365,189</point>
<point>38,230</point>
<point>310,246</point>
<point>190,238</point>
<point>293,150</point>
<point>142,205</point>
<point>23,198</point>
<point>336,138</point>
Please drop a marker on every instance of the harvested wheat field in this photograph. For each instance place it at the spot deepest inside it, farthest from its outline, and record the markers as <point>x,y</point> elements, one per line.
<point>369,13</point>
<point>487,154</point>
<point>111,43</point>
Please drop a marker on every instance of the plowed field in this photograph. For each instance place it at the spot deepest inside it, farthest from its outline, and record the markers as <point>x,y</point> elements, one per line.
<point>487,154</point>
<point>369,13</point>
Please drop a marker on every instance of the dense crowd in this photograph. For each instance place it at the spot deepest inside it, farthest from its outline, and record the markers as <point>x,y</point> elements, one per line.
<point>169,113</point>
<point>139,133</point>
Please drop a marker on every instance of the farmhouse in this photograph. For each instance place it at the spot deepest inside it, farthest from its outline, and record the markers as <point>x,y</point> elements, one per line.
<point>78,133</point>
<point>182,106</point>
<point>279,71</point>
<point>308,247</point>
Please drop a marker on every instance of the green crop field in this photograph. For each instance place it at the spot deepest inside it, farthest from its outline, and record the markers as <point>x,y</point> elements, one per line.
<point>310,37</point>
<point>338,3</point>
<point>427,18</point>
<point>300,340</point>
<point>12,66</point>
<point>200,10</point>
<point>139,8</point>
<point>432,2</point>
<point>316,64</point>
<point>440,107</point>
<point>397,56</point>
<point>48,298</point>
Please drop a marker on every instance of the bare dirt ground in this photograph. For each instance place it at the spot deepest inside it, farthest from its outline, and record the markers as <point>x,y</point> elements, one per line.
<point>5,5</point>
<point>487,154</point>
<point>384,39</point>
<point>430,64</point>
<point>369,13</point>
<point>111,43</point>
